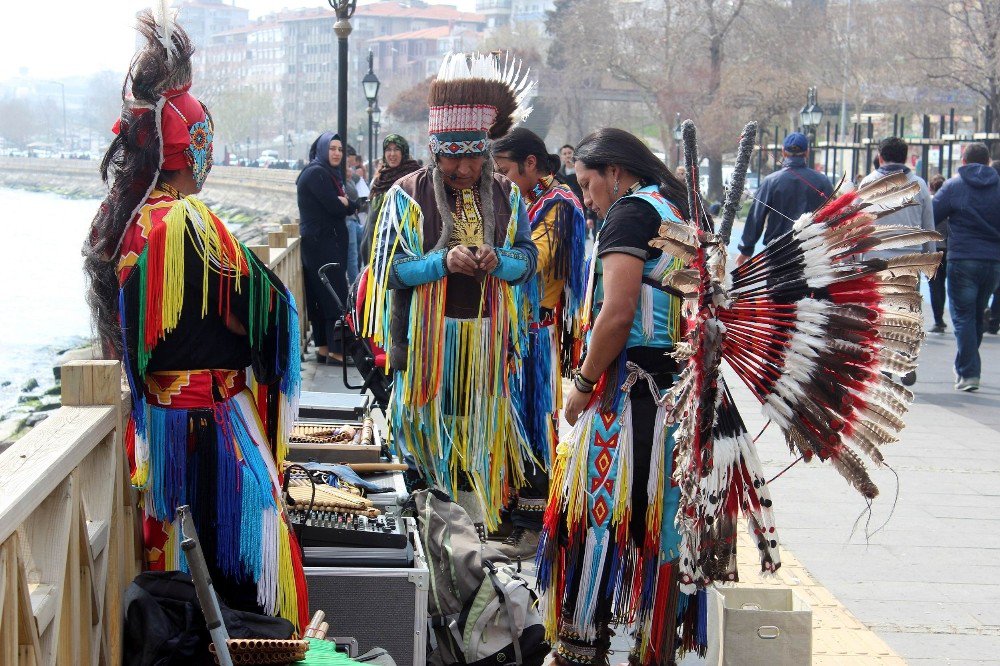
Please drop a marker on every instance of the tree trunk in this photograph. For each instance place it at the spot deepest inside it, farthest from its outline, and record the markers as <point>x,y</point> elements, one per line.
<point>715,185</point>
<point>714,154</point>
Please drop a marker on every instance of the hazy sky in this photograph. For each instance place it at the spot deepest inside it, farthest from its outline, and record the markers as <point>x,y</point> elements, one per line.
<point>57,38</point>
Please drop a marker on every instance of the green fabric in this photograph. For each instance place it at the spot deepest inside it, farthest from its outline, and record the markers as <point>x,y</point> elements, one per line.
<point>324,653</point>
<point>484,596</point>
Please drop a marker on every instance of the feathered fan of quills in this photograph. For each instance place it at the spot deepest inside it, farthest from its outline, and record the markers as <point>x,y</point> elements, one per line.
<point>810,327</point>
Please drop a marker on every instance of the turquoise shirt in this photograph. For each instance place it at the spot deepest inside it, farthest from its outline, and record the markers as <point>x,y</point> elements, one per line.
<point>657,317</point>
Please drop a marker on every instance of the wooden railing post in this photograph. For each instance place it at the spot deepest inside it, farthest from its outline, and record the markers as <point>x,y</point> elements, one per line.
<point>277,239</point>
<point>263,252</point>
<point>107,531</point>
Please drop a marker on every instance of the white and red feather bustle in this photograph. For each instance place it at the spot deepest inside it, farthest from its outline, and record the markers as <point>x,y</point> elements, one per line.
<point>812,328</point>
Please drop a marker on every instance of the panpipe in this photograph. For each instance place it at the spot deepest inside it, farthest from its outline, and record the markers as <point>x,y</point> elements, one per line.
<point>263,650</point>
<point>324,434</point>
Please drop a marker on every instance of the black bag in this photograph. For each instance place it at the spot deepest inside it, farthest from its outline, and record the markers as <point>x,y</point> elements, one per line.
<point>164,625</point>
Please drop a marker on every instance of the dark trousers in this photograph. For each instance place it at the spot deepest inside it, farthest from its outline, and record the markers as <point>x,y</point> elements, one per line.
<point>971,282</point>
<point>938,289</point>
<point>529,509</point>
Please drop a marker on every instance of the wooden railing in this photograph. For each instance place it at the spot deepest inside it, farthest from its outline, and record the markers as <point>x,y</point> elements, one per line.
<point>68,527</point>
<point>283,253</point>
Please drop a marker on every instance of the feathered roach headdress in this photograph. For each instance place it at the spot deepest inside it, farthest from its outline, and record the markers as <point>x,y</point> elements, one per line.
<point>160,77</point>
<point>162,127</point>
<point>475,97</point>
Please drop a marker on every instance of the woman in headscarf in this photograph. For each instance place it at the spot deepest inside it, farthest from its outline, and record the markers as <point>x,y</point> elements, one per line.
<point>396,163</point>
<point>323,211</point>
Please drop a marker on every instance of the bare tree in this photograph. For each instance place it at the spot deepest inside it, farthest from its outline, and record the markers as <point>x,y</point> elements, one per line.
<point>966,53</point>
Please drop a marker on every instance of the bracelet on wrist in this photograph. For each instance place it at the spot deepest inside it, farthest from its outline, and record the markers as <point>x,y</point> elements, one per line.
<point>582,384</point>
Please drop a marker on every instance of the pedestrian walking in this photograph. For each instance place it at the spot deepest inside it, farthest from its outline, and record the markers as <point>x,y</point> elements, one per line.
<point>938,282</point>
<point>784,196</point>
<point>323,211</point>
<point>971,203</point>
<point>892,153</point>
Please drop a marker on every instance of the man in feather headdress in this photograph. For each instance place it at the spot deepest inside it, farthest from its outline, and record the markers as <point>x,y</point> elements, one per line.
<point>451,242</point>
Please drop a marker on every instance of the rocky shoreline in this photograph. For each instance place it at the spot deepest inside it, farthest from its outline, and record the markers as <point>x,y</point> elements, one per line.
<point>37,398</point>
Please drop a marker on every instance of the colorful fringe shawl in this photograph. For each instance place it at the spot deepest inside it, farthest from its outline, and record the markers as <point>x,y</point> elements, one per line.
<point>452,408</point>
<point>587,557</point>
<point>213,439</point>
<point>559,231</point>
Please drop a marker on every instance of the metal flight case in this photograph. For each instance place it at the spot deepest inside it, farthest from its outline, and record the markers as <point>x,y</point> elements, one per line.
<point>379,607</point>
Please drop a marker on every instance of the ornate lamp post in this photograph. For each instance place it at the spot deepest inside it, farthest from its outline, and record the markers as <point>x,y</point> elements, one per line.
<point>371,84</point>
<point>376,119</point>
<point>810,117</point>
<point>345,10</point>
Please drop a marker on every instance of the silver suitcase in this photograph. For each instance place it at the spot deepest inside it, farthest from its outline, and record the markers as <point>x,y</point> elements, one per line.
<point>379,607</point>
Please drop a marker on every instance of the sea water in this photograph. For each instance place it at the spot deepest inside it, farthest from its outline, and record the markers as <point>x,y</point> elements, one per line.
<point>43,310</point>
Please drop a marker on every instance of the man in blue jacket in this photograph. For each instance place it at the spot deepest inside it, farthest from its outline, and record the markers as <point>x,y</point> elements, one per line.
<point>971,202</point>
<point>784,196</point>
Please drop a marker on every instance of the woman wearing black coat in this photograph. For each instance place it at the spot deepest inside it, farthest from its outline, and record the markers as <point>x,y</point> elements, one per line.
<point>323,209</point>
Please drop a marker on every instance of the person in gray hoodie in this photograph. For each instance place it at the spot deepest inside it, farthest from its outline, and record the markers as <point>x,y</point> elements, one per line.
<point>892,153</point>
<point>971,202</point>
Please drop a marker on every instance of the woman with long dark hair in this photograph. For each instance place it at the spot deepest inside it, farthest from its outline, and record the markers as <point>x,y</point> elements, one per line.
<point>608,541</point>
<point>323,211</point>
<point>554,296</point>
<point>208,338</point>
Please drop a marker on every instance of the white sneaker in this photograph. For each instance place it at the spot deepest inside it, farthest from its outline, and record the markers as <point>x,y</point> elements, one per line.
<point>967,384</point>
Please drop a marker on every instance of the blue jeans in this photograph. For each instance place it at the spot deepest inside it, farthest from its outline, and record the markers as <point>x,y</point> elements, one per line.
<point>971,282</point>
<point>353,248</point>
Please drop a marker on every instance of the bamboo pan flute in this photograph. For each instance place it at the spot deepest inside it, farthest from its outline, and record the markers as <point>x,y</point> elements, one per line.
<point>321,433</point>
<point>328,497</point>
<point>263,651</point>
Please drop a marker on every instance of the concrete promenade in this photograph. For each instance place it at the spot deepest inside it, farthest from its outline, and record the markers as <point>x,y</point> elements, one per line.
<point>925,583</point>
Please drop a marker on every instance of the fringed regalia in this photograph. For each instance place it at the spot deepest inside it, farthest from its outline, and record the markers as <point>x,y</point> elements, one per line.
<point>609,546</point>
<point>452,408</point>
<point>201,433</point>
<point>454,341</point>
<point>553,299</point>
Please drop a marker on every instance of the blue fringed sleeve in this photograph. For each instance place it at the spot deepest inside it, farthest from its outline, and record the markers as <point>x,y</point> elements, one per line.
<point>517,264</point>
<point>410,271</point>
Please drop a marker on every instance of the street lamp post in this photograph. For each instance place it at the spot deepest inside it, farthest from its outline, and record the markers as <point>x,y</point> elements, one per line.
<point>810,117</point>
<point>371,85</point>
<point>345,10</point>
<point>376,119</point>
<point>678,137</point>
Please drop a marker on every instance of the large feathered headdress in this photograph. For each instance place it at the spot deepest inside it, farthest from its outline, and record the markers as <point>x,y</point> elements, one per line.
<point>475,98</point>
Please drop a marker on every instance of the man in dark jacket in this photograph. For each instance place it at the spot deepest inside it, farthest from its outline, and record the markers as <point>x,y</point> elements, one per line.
<point>784,196</point>
<point>971,202</point>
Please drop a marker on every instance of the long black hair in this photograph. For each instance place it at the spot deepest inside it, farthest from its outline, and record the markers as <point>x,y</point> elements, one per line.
<point>128,168</point>
<point>610,145</point>
<point>520,143</point>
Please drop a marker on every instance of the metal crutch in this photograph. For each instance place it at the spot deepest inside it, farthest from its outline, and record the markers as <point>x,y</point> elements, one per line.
<point>203,586</point>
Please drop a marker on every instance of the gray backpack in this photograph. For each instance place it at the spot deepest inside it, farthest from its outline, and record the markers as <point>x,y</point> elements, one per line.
<point>481,611</point>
